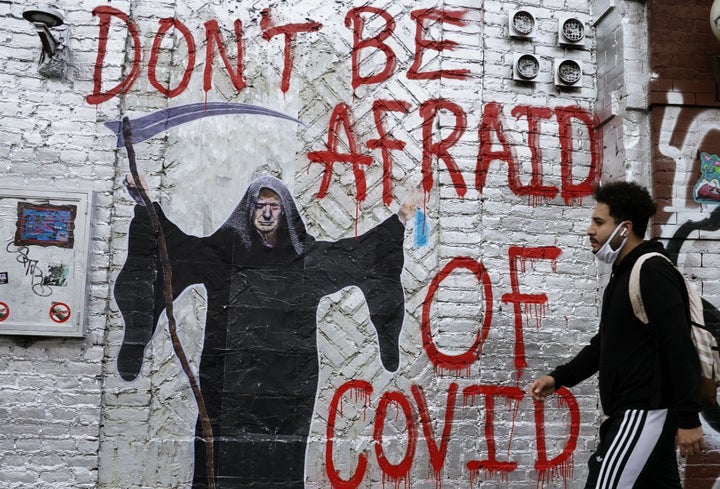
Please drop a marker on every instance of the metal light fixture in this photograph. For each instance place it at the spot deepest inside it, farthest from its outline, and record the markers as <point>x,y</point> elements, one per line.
<point>525,67</point>
<point>715,19</point>
<point>521,23</point>
<point>568,73</point>
<point>571,31</point>
<point>715,27</point>
<point>44,19</point>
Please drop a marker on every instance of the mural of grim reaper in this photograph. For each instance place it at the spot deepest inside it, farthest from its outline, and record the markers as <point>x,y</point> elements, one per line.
<point>264,276</point>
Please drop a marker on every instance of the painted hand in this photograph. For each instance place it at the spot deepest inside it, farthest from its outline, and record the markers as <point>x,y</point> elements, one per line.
<point>413,200</point>
<point>132,189</point>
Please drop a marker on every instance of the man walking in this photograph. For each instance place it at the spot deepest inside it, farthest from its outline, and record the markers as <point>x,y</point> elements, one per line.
<point>649,375</point>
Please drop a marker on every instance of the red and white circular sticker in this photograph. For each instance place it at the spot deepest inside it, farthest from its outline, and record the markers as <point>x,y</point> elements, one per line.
<point>4,311</point>
<point>59,312</point>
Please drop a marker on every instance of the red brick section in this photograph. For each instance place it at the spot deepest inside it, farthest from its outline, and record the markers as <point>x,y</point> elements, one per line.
<point>682,47</point>
<point>681,51</point>
<point>702,471</point>
<point>664,167</point>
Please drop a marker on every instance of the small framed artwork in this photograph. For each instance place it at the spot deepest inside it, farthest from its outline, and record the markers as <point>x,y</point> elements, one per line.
<point>44,261</point>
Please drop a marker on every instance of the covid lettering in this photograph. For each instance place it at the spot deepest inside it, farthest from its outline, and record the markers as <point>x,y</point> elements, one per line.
<point>462,403</point>
<point>410,415</point>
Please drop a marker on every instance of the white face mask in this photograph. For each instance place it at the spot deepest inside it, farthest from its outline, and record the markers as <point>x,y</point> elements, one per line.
<point>606,254</point>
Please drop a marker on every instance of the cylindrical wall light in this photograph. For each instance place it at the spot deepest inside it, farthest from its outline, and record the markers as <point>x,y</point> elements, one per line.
<point>715,19</point>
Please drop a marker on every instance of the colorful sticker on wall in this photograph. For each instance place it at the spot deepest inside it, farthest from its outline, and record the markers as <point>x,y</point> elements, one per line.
<point>4,311</point>
<point>57,275</point>
<point>707,188</point>
<point>45,225</point>
<point>59,312</point>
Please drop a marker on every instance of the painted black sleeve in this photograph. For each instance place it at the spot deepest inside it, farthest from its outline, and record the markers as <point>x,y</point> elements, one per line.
<point>139,288</point>
<point>585,364</point>
<point>664,298</point>
<point>373,262</point>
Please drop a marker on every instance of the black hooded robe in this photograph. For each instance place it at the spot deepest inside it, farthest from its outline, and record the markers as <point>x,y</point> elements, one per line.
<point>259,366</point>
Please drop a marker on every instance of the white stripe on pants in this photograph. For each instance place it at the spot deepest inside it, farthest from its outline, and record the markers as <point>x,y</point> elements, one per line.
<point>635,440</point>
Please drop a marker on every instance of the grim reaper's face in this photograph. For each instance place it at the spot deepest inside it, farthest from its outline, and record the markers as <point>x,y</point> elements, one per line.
<point>267,214</point>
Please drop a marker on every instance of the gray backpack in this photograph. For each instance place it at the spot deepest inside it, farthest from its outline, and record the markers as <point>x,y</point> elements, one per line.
<point>703,340</point>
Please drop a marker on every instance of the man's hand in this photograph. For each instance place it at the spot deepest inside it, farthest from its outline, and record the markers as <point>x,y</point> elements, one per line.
<point>541,388</point>
<point>690,442</point>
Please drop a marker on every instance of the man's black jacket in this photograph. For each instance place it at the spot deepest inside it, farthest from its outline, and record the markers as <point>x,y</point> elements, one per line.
<point>640,366</point>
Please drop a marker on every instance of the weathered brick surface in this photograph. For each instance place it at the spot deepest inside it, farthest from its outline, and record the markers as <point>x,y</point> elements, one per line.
<point>70,421</point>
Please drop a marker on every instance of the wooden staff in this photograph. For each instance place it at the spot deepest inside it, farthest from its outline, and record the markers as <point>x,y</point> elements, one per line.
<point>167,289</point>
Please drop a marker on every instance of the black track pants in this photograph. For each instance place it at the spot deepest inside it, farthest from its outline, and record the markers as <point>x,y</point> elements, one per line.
<point>637,451</point>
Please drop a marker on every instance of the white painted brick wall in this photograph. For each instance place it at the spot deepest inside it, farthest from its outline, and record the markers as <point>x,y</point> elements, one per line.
<point>70,421</point>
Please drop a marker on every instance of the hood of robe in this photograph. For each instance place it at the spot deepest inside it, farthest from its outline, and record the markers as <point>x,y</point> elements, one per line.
<point>241,219</point>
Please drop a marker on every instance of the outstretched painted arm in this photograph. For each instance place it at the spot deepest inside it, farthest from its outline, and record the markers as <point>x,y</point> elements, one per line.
<point>373,262</point>
<point>383,290</point>
<point>139,286</point>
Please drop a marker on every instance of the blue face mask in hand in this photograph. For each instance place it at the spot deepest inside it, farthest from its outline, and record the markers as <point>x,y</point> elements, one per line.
<point>606,253</point>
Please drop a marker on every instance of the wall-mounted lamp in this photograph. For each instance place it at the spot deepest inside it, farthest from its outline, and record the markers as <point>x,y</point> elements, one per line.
<point>715,27</point>
<point>568,73</point>
<point>571,31</point>
<point>526,67</point>
<point>44,19</point>
<point>715,19</point>
<point>522,23</point>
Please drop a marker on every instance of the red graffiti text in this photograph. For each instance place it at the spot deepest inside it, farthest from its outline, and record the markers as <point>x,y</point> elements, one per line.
<point>344,148</point>
<point>356,19</point>
<point>416,416</point>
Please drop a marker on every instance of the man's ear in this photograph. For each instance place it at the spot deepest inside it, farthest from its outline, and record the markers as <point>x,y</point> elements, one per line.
<point>627,229</point>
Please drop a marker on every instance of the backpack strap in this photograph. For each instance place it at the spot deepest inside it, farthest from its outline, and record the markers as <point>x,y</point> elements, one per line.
<point>634,286</point>
<point>703,340</point>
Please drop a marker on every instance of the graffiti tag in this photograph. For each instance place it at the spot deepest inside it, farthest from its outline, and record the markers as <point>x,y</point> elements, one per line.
<point>37,278</point>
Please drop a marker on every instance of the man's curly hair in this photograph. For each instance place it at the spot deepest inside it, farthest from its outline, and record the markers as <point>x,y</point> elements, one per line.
<point>627,201</point>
